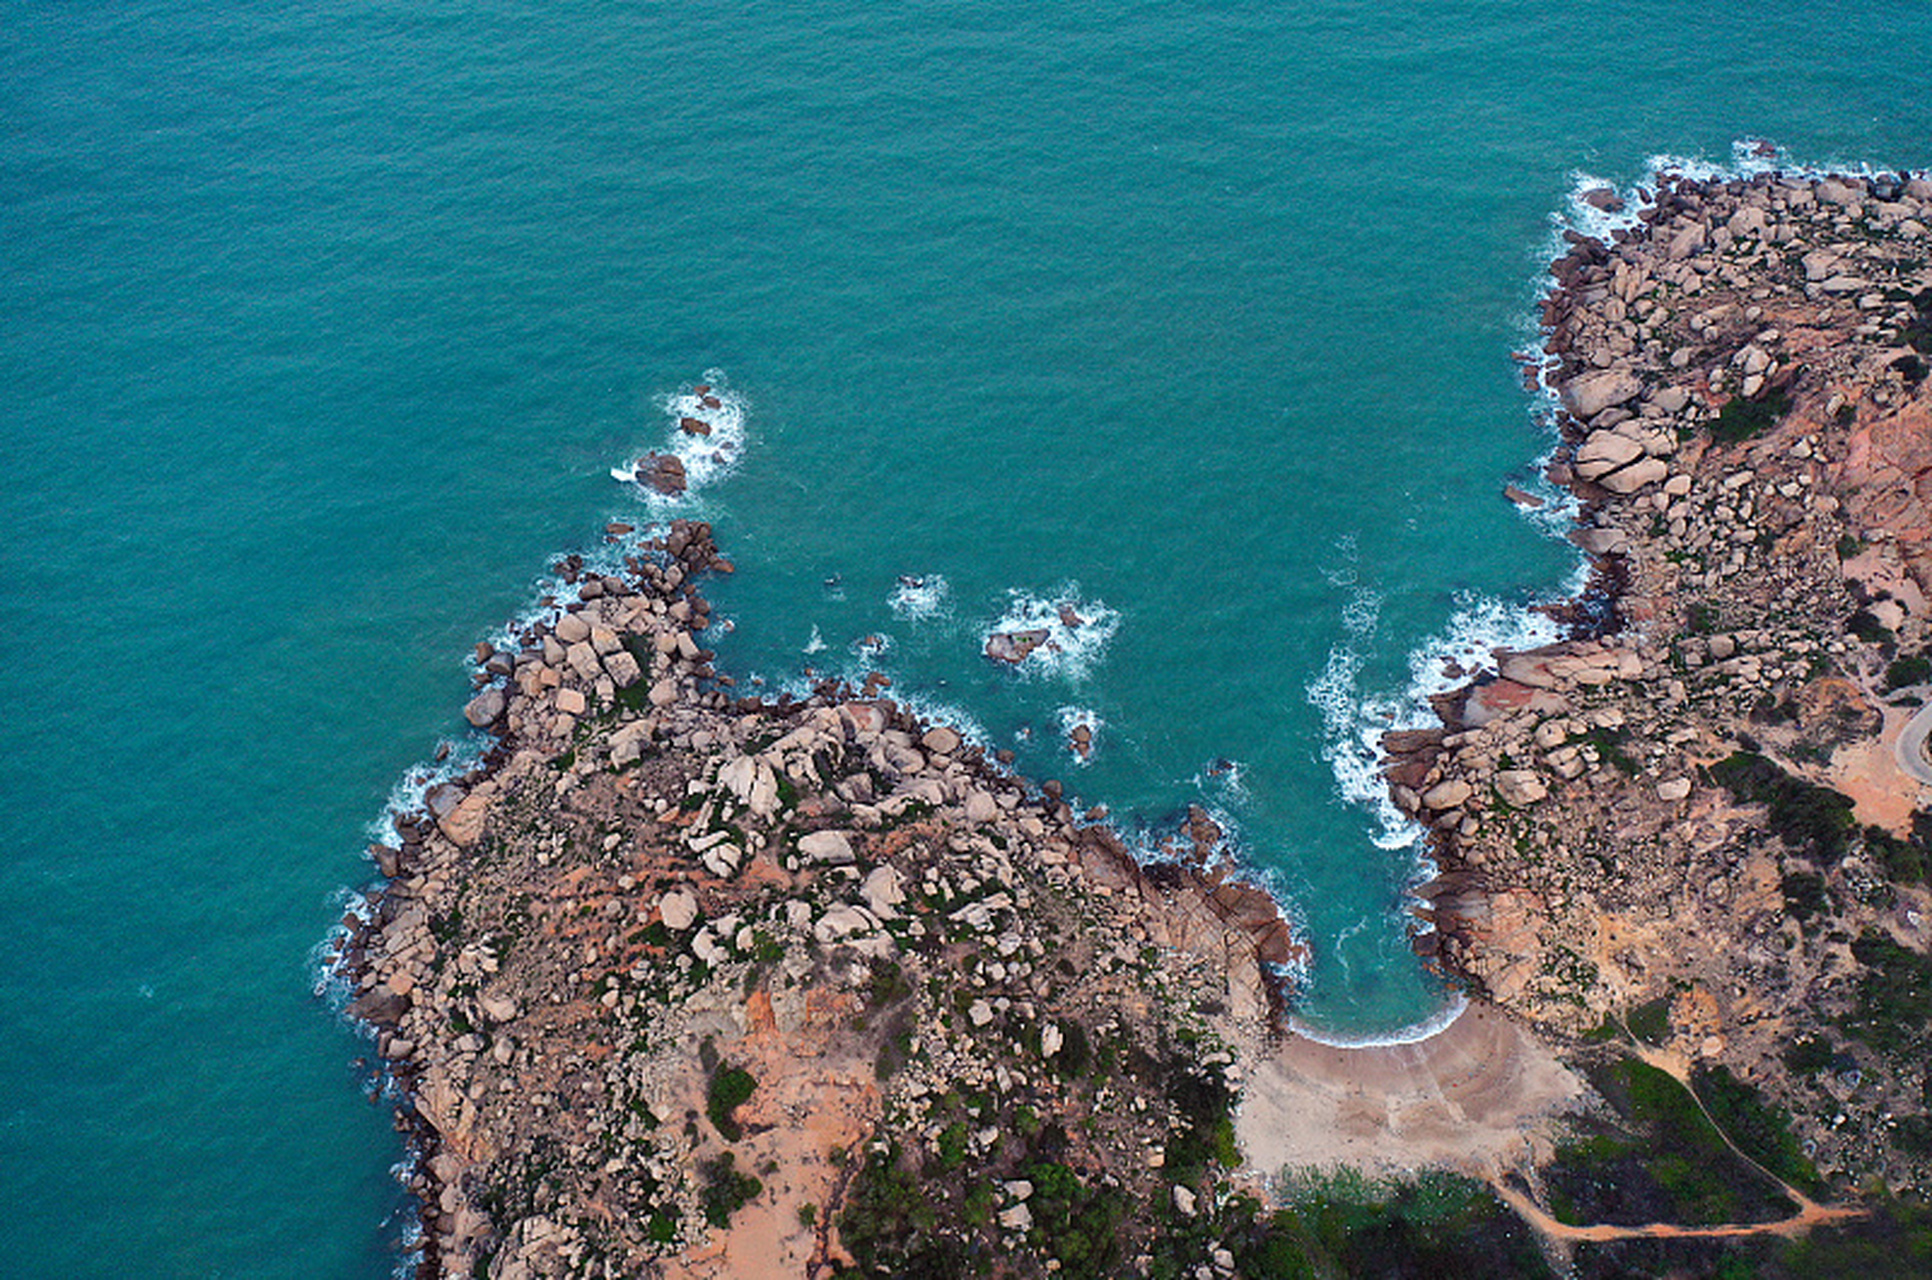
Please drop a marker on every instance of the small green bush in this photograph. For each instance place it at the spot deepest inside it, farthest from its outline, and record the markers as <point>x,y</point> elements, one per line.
<point>1893,999</point>
<point>1904,861</point>
<point>1809,1055</point>
<point>1866,626</point>
<point>1650,1021</point>
<point>1804,895</point>
<point>725,1190</point>
<point>1758,1129</point>
<point>1741,419</point>
<point>729,1089</point>
<point>1916,669</point>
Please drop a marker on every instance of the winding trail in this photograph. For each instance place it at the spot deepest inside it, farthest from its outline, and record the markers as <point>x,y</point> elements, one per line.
<point>1810,1213</point>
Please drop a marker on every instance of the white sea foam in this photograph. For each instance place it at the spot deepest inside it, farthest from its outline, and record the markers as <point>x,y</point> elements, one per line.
<point>1354,719</point>
<point>463,755</point>
<point>1072,718</point>
<point>1077,630</point>
<point>872,645</point>
<point>706,458</point>
<point>816,644</point>
<point>1228,778</point>
<point>1435,1024</point>
<point>917,598</point>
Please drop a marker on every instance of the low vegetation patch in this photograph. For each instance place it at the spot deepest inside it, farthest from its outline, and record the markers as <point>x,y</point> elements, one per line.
<point>1742,419</point>
<point>1812,819</point>
<point>729,1089</point>
<point>725,1189</point>
<point>1893,1000</point>
<point>1659,1160</point>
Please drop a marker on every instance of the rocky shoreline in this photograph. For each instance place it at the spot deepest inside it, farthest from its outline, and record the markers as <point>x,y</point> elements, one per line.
<point>876,934</point>
<point>1689,805</point>
<point>679,983</point>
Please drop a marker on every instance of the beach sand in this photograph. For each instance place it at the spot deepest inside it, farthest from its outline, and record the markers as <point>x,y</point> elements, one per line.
<point>1470,1098</point>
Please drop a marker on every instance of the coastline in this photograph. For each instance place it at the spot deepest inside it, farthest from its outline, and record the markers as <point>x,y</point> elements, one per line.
<point>1733,372</point>
<point>611,698</point>
<point>802,881</point>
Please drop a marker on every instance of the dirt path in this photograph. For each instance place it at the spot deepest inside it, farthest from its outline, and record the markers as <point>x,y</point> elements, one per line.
<point>1810,1213</point>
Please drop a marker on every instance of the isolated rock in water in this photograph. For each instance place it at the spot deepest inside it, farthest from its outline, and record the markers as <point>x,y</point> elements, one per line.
<point>663,472</point>
<point>1521,497</point>
<point>694,426</point>
<point>1014,646</point>
<point>1594,392</point>
<point>1603,198</point>
<point>484,708</point>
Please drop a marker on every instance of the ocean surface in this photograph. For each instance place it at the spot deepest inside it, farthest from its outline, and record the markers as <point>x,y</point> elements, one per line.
<point>323,325</point>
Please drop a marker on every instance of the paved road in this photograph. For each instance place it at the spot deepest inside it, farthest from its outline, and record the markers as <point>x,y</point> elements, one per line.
<point>1911,743</point>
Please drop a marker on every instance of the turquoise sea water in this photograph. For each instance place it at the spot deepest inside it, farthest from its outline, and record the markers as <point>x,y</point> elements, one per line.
<point>322,325</point>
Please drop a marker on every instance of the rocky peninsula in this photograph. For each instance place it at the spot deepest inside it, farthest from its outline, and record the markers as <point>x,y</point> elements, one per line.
<point>679,983</point>
<point>676,979</point>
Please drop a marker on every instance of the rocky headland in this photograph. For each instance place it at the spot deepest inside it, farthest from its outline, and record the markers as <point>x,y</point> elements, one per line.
<point>1692,811</point>
<point>681,983</point>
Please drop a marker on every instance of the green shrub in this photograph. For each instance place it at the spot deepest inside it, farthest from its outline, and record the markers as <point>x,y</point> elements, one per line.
<point>1804,895</point>
<point>1758,1129</point>
<point>1916,669</point>
<point>1904,860</point>
<point>1864,624</point>
<point>1809,1055</point>
<point>1741,419</point>
<point>1075,1223</point>
<point>725,1190</point>
<point>1650,1021</point>
<point>729,1089</point>
<point>1893,998</point>
<point>1815,820</point>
